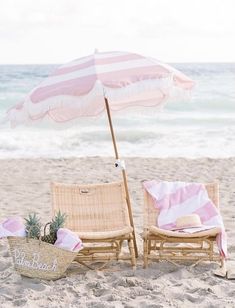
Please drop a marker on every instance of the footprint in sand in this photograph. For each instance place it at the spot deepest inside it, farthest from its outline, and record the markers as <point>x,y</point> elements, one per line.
<point>193,298</point>
<point>4,266</point>
<point>33,284</point>
<point>19,302</point>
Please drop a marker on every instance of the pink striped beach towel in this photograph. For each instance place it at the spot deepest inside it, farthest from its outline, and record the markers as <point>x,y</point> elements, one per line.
<point>68,240</point>
<point>176,199</point>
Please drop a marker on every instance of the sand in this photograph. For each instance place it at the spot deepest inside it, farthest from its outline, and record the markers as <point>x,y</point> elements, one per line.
<point>25,187</point>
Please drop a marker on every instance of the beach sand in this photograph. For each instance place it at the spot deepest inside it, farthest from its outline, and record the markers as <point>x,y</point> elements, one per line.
<point>25,188</point>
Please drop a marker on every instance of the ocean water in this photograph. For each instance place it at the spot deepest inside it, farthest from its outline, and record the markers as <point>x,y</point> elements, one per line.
<point>201,127</point>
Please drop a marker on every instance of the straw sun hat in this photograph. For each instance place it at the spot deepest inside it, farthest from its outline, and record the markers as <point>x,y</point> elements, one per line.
<point>188,221</point>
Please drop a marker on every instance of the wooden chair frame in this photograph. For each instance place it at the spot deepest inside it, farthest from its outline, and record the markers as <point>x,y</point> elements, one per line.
<point>98,213</point>
<point>161,245</point>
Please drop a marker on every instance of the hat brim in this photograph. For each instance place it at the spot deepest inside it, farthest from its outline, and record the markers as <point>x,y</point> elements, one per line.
<point>187,227</point>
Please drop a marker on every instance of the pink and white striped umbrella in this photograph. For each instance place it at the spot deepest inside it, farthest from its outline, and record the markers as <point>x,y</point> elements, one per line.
<point>77,89</point>
<point>103,81</point>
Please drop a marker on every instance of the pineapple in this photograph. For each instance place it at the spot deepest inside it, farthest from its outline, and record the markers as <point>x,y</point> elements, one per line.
<point>33,226</point>
<point>57,222</point>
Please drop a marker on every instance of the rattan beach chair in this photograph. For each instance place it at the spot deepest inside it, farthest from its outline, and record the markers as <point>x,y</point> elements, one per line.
<point>98,213</point>
<point>160,244</point>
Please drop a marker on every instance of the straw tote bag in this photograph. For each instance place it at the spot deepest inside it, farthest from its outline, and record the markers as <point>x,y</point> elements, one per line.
<point>37,259</point>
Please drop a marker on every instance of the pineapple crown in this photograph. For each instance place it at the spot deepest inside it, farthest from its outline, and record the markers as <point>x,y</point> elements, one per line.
<point>58,221</point>
<point>33,225</point>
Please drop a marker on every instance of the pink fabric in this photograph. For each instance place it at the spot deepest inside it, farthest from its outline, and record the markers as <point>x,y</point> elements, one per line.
<point>207,211</point>
<point>179,196</point>
<point>89,62</point>
<point>68,240</point>
<point>83,85</point>
<point>12,226</point>
<point>125,79</point>
<point>176,199</point>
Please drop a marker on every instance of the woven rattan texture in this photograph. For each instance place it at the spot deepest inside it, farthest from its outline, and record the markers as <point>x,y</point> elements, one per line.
<point>37,259</point>
<point>92,208</point>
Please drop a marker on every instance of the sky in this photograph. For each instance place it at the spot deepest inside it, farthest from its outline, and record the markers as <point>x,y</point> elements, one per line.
<point>57,31</point>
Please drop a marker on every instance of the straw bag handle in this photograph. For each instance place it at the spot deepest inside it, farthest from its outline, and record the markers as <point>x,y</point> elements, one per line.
<point>44,229</point>
<point>40,236</point>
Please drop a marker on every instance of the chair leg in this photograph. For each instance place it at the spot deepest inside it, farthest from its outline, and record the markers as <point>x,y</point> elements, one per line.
<point>118,246</point>
<point>132,253</point>
<point>211,244</point>
<point>145,252</point>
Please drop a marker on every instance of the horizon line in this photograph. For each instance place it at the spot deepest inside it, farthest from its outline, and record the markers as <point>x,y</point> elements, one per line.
<point>171,62</point>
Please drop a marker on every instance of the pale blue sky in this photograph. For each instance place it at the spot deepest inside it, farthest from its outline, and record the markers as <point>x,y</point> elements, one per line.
<point>57,31</point>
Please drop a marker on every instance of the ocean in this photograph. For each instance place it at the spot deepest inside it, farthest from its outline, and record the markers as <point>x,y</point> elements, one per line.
<point>201,127</point>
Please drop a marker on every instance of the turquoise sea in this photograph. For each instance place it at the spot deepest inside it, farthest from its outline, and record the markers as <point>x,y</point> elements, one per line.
<point>201,127</point>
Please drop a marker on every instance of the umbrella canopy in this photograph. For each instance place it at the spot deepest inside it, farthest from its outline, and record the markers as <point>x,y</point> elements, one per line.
<point>77,89</point>
<point>107,81</point>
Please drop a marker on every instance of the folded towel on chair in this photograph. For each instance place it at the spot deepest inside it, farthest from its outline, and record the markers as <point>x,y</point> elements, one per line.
<point>12,226</point>
<point>177,199</point>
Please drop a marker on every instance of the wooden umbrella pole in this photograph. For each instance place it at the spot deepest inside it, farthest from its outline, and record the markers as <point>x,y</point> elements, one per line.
<point>123,175</point>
